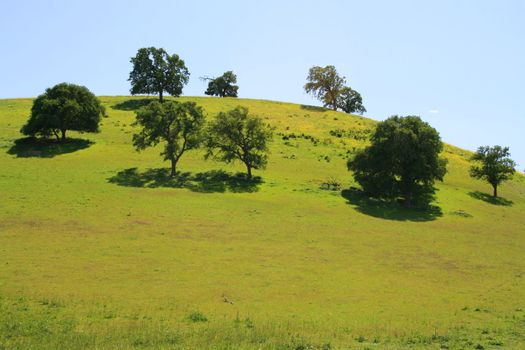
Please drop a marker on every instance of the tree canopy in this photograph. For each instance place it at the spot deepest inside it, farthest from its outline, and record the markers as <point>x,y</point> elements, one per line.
<point>402,161</point>
<point>223,86</point>
<point>236,135</point>
<point>155,72</point>
<point>177,124</point>
<point>350,101</point>
<point>64,107</point>
<point>495,166</point>
<point>325,84</point>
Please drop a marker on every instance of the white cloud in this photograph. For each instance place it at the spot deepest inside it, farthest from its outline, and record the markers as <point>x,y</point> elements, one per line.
<point>434,111</point>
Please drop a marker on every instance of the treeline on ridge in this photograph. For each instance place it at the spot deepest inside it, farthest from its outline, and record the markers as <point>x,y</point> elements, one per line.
<point>401,162</point>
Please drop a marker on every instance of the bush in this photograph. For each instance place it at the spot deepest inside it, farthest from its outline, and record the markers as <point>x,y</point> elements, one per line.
<point>197,316</point>
<point>331,184</point>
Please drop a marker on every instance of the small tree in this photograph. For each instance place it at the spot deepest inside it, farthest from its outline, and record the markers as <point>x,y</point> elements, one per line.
<point>495,167</point>
<point>155,72</point>
<point>64,107</point>
<point>178,124</point>
<point>402,160</point>
<point>223,86</point>
<point>236,135</point>
<point>350,101</point>
<point>325,84</point>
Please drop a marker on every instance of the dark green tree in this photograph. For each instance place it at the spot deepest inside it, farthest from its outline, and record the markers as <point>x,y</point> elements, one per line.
<point>236,135</point>
<point>350,101</point>
<point>178,124</point>
<point>402,161</point>
<point>155,72</point>
<point>61,108</point>
<point>223,86</point>
<point>325,84</point>
<point>495,166</point>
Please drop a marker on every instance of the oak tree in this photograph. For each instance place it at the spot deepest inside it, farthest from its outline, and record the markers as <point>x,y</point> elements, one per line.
<point>223,86</point>
<point>61,108</point>
<point>177,124</point>
<point>236,135</point>
<point>325,84</point>
<point>401,161</point>
<point>495,166</point>
<point>155,72</point>
<point>350,101</point>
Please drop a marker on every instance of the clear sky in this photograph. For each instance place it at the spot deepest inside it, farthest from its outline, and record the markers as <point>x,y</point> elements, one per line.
<point>458,64</point>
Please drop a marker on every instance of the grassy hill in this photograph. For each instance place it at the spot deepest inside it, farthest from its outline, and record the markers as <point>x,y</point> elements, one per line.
<point>99,249</point>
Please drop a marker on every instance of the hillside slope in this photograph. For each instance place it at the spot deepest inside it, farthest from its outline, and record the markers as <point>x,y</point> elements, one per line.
<point>99,249</point>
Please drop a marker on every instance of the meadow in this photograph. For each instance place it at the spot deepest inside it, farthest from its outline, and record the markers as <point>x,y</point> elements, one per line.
<point>100,249</point>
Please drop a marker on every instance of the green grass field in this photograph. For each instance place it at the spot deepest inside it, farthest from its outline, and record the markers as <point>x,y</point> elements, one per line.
<point>99,249</point>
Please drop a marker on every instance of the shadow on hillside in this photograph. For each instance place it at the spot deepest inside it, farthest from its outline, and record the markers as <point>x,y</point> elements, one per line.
<point>28,147</point>
<point>389,210</point>
<point>314,108</point>
<point>206,182</point>
<point>133,104</point>
<point>485,197</point>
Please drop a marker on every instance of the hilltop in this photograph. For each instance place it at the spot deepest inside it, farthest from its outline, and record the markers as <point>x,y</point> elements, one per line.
<point>100,249</point>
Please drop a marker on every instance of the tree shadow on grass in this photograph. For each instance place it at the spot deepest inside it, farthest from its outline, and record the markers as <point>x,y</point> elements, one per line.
<point>389,210</point>
<point>314,108</point>
<point>28,147</point>
<point>205,182</point>
<point>485,197</point>
<point>133,104</point>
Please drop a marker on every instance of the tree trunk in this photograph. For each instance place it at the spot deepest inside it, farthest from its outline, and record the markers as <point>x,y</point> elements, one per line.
<point>334,100</point>
<point>63,135</point>
<point>173,167</point>
<point>408,200</point>
<point>495,193</point>
<point>249,170</point>
<point>161,99</point>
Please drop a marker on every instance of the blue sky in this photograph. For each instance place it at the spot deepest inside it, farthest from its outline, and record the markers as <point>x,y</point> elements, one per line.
<point>460,65</point>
